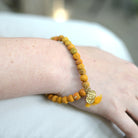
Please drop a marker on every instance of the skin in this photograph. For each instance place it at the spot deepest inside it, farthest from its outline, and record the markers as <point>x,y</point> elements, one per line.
<point>33,66</point>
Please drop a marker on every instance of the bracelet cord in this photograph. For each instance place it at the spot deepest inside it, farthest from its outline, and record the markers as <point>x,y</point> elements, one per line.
<point>86,91</point>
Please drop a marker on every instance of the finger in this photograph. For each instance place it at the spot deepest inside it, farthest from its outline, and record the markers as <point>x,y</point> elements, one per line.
<point>132,109</point>
<point>125,123</point>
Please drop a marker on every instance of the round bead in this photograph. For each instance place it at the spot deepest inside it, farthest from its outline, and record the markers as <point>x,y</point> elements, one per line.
<point>61,37</point>
<point>59,100</point>
<point>64,100</point>
<point>70,46</point>
<point>85,85</point>
<point>50,96</point>
<point>82,71</point>
<point>80,66</point>
<point>64,39</point>
<point>54,98</point>
<point>76,56</point>
<point>79,61</point>
<point>76,96</point>
<point>73,51</point>
<point>82,93</point>
<point>70,98</point>
<point>83,78</point>
<point>56,38</point>
<point>67,42</point>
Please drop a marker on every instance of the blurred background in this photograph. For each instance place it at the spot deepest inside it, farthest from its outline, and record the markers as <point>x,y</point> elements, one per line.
<point>120,16</point>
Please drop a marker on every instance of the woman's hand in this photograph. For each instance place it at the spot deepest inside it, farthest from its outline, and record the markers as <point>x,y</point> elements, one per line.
<point>117,81</point>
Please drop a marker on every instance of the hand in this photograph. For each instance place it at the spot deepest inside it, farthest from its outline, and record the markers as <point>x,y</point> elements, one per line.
<point>117,81</point>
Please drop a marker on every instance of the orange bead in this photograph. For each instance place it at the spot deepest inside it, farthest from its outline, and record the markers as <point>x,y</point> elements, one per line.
<point>82,93</point>
<point>70,98</point>
<point>85,85</point>
<point>79,61</point>
<point>50,96</point>
<point>67,42</point>
<point>80,66</point>
<point>61,37</point>
<point>54,98</point>
<point>83,77</point>
<point>82,71</point>
<point>59,100</point>
<point>73,51</point>
<point>64,100</point>
<point>76,56</point>
<point>55,38</point>
<point>64,39</point>
<point>76,96</point>
<point>70,46</point>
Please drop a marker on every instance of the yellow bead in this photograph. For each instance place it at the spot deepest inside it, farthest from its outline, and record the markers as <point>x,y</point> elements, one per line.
<point>54,98</point>
<point>67,42</point>
<point>70,46</point>
<point>82,93</point>
<point>76,56</point>
<point>73,51</point>
<point>64,39</point>
<point>64,100</point>
<point>83,77</point>
<point>61,37</point>
<point>80,66</point>
<point>59,100</point>
<point>85,85</point>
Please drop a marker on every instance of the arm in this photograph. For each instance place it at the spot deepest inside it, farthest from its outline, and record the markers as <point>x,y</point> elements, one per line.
<point>34,66</point>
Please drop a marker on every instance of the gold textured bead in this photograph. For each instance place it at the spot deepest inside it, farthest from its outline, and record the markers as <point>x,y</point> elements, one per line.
<point>90,97</point>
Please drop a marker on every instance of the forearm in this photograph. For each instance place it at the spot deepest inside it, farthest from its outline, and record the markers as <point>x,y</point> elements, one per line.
<point>33,66</point>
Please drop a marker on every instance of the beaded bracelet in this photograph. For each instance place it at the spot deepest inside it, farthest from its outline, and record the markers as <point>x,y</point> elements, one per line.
<point>86,91</point>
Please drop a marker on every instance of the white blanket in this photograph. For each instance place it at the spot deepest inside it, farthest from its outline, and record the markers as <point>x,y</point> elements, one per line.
<point>35,116</point>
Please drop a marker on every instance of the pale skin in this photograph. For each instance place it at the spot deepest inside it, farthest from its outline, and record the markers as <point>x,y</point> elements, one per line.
<point>37,66</point>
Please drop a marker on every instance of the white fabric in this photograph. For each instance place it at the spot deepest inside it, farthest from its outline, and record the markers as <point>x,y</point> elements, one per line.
<point>36,117</point>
